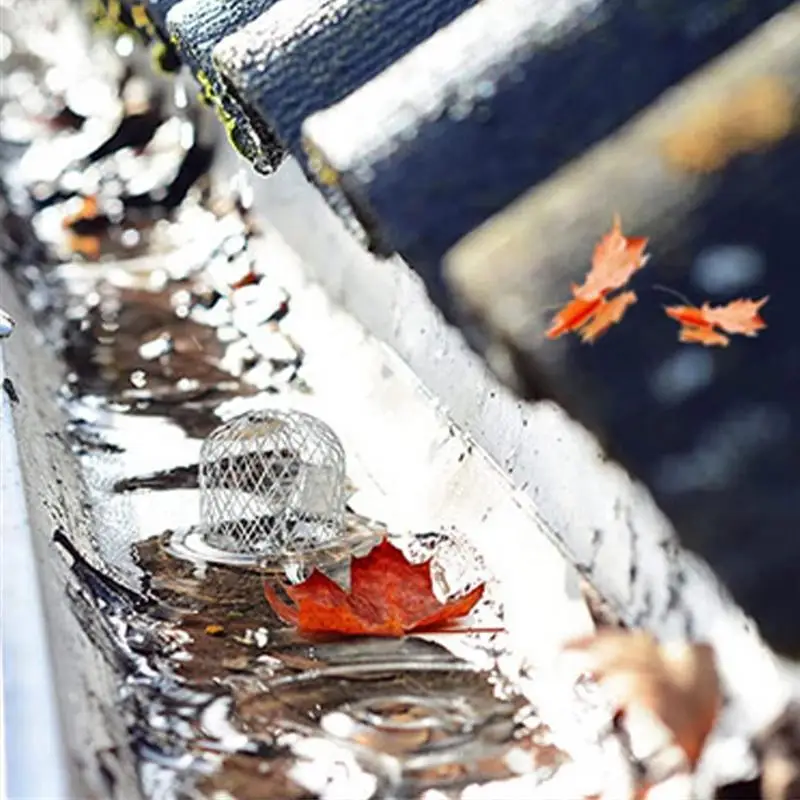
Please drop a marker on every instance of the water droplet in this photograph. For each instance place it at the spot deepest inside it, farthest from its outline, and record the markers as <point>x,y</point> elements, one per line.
<point>124,46</point>
<point>6,324</point>
<point>156,348</point>
<point>130,237</point>
<point>138,379</point>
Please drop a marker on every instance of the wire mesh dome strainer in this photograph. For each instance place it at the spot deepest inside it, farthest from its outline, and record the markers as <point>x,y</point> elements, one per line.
<point>271,482</point>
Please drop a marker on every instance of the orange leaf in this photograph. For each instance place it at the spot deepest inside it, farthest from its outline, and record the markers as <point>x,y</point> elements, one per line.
<point>738,316</point>
<point>88,246</point>
<point>615,259</point>
<point>88,209</point>
<point>699,325</point>
<point>389,597</point>
<point>696,334</point>
<point>688,315</point>
<point>250,279</point>
<point>591,313</point>
<point>574,314</point>
<point>608,313</point>
<point>677,684</point>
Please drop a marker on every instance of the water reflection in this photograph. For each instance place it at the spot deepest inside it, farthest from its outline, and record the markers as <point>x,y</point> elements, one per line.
<point>218,695</point>
<point>440,722</point>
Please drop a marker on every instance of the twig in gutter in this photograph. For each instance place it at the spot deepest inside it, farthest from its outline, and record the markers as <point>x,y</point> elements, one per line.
<point>10,390</point>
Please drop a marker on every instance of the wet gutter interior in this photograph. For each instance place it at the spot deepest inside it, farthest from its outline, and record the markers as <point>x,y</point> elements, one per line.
<point>108,421</point>
<point>134,658</point>
<point>410,468</point>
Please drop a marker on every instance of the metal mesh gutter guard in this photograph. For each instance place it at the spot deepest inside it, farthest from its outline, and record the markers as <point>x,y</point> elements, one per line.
<point>271,482</point>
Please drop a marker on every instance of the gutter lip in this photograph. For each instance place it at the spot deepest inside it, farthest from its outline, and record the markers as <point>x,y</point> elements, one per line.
<point>33,755</point>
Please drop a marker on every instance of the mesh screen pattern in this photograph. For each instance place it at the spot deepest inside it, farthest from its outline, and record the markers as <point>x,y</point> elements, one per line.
<point>271,482</point>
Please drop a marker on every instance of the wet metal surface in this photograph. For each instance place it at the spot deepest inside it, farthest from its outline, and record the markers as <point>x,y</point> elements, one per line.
<point>160,343</point>
<point>175,323</point>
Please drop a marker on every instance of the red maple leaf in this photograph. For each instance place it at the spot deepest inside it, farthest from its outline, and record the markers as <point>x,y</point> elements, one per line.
<point>593,310</point>
<point>574,315</point>
<point>609,313</point>
<point>389,597</point>
<point>614,260</point>
<point>700,325</point>
<point>739,316</point>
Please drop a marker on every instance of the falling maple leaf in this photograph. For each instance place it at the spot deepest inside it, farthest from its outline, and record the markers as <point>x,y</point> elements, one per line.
<point>698,334</point>
<point>574,315</point>
<point>615,259</point>
<point>738,316</point>
<point>591,312</point>
<point>699,325</point>
<point>676,685</point>
<point>608,313</point>
<point>389,597</point>
<point>590,318</point>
